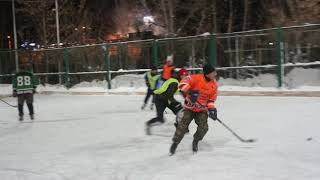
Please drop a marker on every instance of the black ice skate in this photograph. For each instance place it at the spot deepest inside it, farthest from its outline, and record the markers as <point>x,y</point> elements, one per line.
<point>143,106</point>
<point>195,146</point>
<point>148,129</point>
<point>173,148</point>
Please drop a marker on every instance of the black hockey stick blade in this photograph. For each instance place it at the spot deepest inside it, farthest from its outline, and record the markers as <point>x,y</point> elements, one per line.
<point>8,103</point>
<point>235,134</point>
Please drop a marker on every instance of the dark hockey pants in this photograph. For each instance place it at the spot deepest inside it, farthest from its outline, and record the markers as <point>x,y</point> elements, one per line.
<point>161,105</point>
<point>149,93</point>
<point>29,100</point>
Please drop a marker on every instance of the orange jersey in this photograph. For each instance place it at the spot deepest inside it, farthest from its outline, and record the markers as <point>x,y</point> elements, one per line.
<point>166,74</point>
<point>208,91</point>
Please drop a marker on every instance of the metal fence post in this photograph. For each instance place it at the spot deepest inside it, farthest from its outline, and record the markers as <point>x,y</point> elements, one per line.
<point>107,64</point>
<point>155,55</point>
<point>213,50</point>
<point>280,55</point>
<point>67,67</point>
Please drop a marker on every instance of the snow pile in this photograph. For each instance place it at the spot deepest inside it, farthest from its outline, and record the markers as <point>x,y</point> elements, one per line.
<point>128,80</point>
<point>5,89</point>
<point>263,80</point>
<point>302,77</point>
<point>49,87</point>
<point>298,79</point>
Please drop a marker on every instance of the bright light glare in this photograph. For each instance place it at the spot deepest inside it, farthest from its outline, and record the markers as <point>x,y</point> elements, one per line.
<point>148,19</point>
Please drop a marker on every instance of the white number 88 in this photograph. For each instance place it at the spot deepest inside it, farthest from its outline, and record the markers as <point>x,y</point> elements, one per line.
<point>24,80</point>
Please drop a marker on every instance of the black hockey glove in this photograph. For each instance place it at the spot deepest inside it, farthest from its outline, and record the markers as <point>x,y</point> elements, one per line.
<point>14,93</point>
<point>213,114</point>
<point>194,95</point>
<point>175,105</point>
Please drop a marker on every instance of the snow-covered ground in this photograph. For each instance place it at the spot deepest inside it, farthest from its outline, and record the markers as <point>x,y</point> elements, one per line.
<point>102,138</point>
<point>299,79</point>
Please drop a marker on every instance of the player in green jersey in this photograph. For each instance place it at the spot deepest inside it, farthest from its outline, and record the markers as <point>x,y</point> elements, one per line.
<point>24,84</point>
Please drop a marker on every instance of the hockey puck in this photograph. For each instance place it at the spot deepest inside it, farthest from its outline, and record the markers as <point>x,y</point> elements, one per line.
<point>309,139</point>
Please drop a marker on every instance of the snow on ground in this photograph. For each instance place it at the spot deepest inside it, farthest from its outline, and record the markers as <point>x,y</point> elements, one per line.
<point>102,137</point>
<point>299,79</point>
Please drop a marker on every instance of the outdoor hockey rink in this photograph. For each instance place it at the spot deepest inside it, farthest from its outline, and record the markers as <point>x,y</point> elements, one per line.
<point>102,138</point>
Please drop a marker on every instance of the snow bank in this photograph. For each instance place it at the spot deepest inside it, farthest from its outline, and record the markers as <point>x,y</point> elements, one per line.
<point>298,79</point>
<point>5,89</point>
<point>302,77</point>
<point>263,80</point>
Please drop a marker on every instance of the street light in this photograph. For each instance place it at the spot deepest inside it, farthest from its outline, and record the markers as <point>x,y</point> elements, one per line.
<point>148,20</point>
<point>9,42</point>
<point>15,36</point>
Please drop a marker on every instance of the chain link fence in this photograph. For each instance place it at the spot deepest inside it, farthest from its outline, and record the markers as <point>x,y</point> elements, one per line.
<point>287,56</point>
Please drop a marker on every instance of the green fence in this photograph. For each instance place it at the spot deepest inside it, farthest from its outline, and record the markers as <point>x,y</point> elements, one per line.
<point>242,58</point>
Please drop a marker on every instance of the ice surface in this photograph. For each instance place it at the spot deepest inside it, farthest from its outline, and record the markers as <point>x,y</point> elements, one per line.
<point>102,138</point>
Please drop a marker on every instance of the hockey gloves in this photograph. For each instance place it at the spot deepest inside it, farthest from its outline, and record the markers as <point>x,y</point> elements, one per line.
<point>193,95</point>
<point>213,114</point>
<point>175,105</point>
<point>14,93</point>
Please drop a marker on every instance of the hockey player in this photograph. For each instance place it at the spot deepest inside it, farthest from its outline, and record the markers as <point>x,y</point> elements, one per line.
<point>201,93</point>
<point>24,85</point>
<point>167,68</point>
<point>164,98</point>
<point>151,80</point>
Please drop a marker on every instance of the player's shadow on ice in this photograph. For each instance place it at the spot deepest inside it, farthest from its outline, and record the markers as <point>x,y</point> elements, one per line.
<point>58,120</point>
<point>134,111</point>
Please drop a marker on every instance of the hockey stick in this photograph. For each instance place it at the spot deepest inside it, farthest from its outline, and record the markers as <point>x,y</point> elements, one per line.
<point>8,103</point>
<point>235,134</point>
<point>227,127</point>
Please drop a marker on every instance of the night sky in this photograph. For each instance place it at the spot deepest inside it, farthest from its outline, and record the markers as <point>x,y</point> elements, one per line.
<point>5,22</point>
<point>6,26</point>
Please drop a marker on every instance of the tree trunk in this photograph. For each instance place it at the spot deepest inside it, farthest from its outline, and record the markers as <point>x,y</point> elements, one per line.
<point>203,16</point>
<point>171,7</point>
<point>244,27</point>
<point>214,16</point>
<point>230,25</point>
<point>45,42</point>
<point>164,9</point>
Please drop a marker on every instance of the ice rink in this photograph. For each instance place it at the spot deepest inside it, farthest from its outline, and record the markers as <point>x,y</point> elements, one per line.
<point>102,138</point>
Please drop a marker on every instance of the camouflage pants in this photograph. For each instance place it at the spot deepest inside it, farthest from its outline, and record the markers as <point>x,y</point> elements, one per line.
<point>201,119</point>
